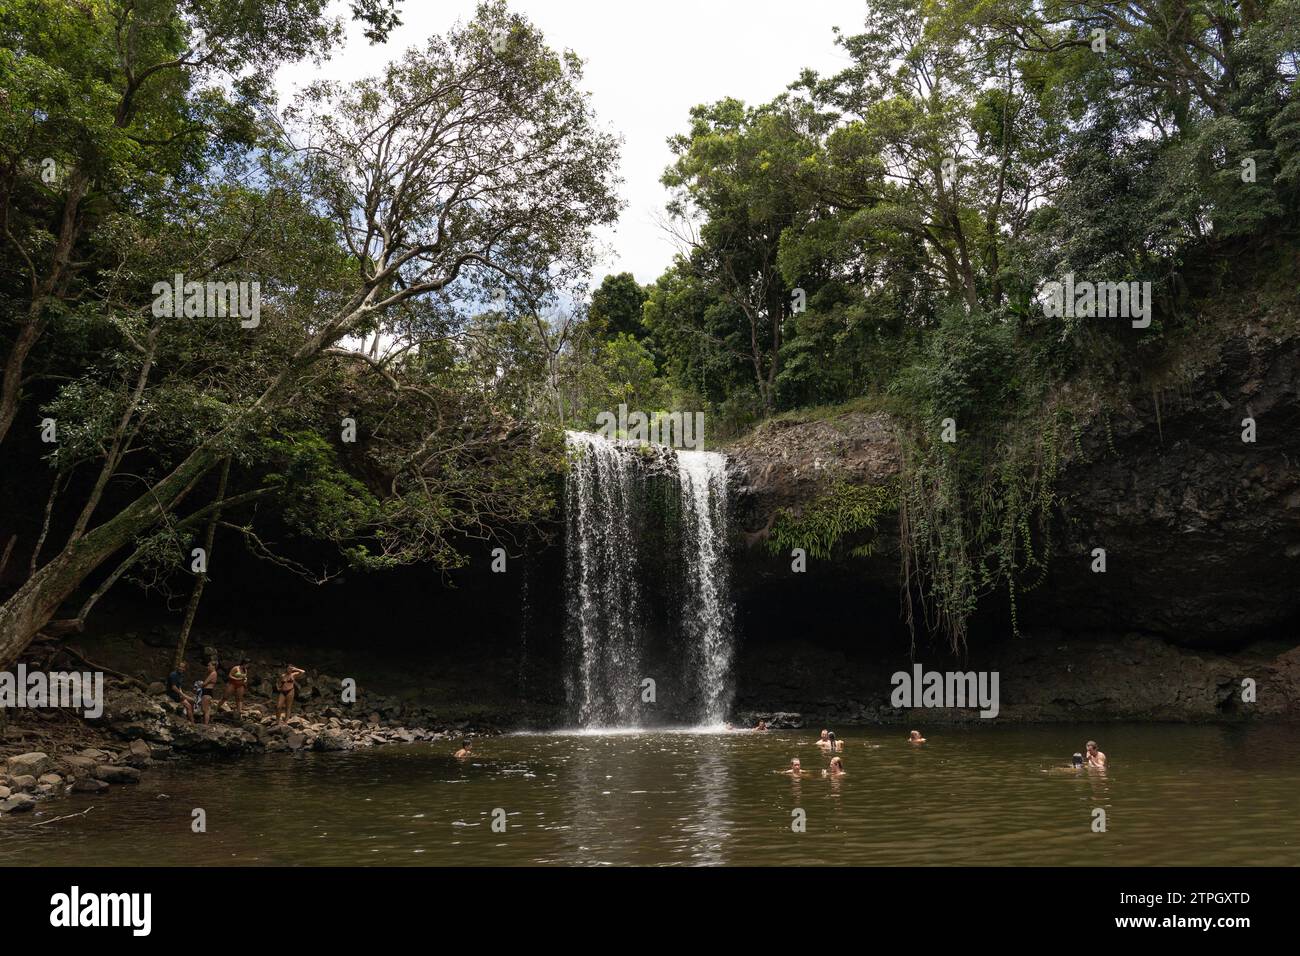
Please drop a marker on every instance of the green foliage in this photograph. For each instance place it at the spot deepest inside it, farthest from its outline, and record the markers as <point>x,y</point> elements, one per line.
<point>846,509</point>
<point>616,306</point>
<point>918,199</point>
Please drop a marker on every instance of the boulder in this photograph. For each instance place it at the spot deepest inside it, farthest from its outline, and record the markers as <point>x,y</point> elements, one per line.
<point>49,780</point>
<point>115,774</point>
<point>332,739</point>
<point>23,782</point>
<point>5,793</point>
<point>33,764</point>
<point>296,741</point>
<point>76,765</point>
<point>18,803</point>
<point>89,785</point>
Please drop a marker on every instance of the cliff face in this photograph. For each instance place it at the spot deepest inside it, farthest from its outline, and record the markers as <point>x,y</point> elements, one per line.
<point>1201,531</point>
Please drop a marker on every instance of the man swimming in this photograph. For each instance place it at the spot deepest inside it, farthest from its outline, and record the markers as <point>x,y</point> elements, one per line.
<point>915,737</point>
<point>762,725</point>
<point>1095,757</point>
<point>824,741</point>
<point>837,768</point>
<point>796,768</point>
<point>465,748</point>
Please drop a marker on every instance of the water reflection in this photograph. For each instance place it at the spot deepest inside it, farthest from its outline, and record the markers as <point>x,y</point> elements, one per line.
<point>1172,795</point>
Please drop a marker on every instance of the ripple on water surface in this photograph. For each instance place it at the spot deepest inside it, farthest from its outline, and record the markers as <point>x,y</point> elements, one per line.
<point>987,795</point>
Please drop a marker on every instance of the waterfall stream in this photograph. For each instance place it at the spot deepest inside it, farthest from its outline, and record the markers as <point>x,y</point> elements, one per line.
<point>646,565</point>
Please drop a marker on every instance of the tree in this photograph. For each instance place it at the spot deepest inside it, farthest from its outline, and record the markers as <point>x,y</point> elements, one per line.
<point>103,105</point>
<point>616,306</point>
<point>468,166</point>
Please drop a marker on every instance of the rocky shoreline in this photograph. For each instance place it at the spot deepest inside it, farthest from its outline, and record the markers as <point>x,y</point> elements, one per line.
<point>49,754</point>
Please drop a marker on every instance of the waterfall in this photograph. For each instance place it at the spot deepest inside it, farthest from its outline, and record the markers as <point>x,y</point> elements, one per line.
<point>707,610</point>
<point>645,565</point>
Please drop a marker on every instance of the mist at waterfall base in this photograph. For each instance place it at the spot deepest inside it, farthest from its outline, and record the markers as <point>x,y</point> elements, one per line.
<point>648,616</point>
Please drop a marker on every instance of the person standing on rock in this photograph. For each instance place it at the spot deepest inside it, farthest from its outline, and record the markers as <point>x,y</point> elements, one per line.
<point>209,688</point>
<point>287,686</point>
<point>236,684</point>
<point>175,683</point>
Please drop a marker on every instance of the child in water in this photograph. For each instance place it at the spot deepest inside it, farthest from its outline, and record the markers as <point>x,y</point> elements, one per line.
<point>465,748</point>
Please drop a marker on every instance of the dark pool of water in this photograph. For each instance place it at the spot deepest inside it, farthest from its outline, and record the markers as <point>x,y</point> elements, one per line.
<point>1173,794</point>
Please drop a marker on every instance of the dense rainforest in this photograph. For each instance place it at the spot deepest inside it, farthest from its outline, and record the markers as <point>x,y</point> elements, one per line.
<point>418,252</point>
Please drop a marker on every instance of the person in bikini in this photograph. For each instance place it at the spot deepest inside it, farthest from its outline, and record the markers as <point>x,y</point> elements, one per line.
<point>207,690</point>
<point>236,685</point>
<point>286,686</point>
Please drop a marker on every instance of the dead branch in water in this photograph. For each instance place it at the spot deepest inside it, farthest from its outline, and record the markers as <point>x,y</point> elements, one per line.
<point>66,816</point>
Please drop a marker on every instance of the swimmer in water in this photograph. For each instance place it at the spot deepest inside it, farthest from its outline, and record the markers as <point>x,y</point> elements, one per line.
<point>824,740</point>
<point>465,748</point>
<point>837,768</point>
<point>1095,757</point>
<point>834,744</point>
<point>796,769</point>
<point>762,725</point>
<point>1076,764</point>
<point>915,737</point>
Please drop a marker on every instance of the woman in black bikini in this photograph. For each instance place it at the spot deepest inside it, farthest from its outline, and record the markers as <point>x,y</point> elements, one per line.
<point>209,688</point>
<point>287,685</point>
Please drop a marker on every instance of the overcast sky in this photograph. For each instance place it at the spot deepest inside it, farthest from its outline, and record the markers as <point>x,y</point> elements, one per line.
<point>648,63</point>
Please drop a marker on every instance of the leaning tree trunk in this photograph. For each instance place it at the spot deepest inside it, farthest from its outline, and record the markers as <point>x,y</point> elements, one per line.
<point>32,606</point>
<point>192,609</point>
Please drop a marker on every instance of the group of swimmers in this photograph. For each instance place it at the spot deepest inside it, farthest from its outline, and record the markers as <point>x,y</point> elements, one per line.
<point>1091,757</point>
<point>234,687</point>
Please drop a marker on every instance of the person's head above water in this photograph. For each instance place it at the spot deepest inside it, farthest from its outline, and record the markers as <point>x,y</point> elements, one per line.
<point>1077,760</point>
<point>914,735</point>
<point>795,765</point>
<point>1090,746</point>
<point>837,765</point>
<point>466,744</point>
<point>825,734</point>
